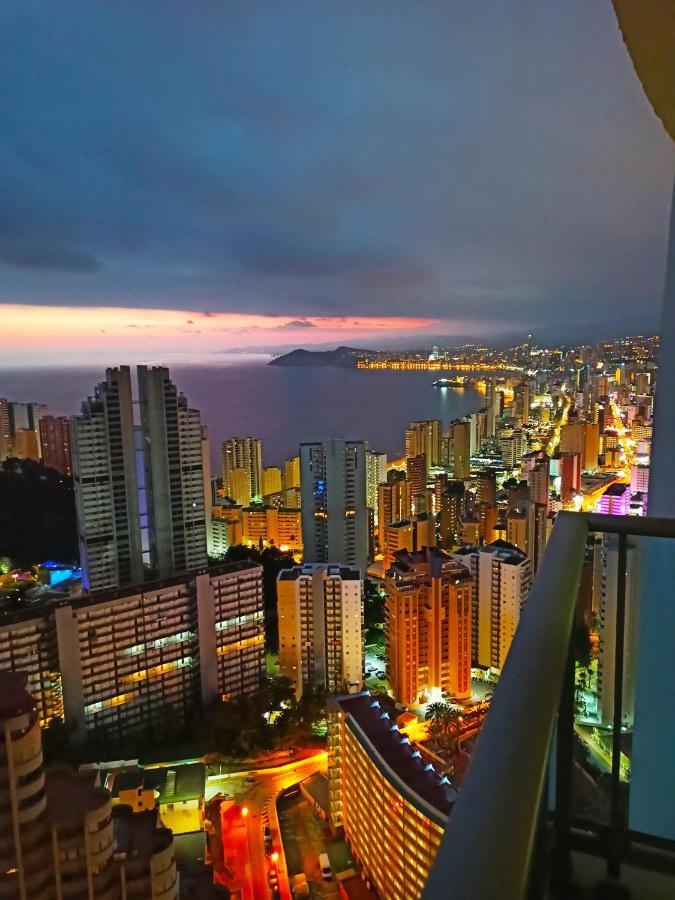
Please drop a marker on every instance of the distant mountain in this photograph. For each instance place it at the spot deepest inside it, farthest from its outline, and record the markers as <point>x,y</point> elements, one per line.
<point>344,357</point>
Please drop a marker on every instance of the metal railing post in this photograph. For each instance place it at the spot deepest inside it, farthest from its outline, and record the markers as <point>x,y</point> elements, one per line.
<point>562,819</point>
<point>617,819</point>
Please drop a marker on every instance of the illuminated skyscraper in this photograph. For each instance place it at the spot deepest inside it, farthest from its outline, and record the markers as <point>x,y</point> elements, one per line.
<point>106,486</point>
<point>334,511</point>
<point>452,511</point>
<point>321,627</point>
<point>271,480</point>
<point>376,474</point>
<point>408,534</point>
<point>417,481</point>
<point>243,453</point>
<point>139,490</point>
<point>582,438</point>
<point>392,503</point>
<point>460,435</point>
<point>424,438</point>
<point>292,472</point>
<point>5,431</point>
<point>501,580</point>
<point>428,626</point>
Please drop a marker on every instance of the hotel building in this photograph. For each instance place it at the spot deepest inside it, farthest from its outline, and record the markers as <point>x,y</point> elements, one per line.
<point>391,806</point>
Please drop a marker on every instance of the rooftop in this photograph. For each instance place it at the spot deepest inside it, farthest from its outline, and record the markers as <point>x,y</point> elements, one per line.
<point>395,757</point>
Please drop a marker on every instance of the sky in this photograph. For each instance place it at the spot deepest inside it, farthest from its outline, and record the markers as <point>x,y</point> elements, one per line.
<point>188,179</point>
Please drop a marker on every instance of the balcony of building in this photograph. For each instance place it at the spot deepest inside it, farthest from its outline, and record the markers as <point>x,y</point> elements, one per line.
<point>533,818</point>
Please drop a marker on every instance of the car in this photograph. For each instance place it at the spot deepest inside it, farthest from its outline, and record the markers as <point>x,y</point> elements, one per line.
<point>267,834</point>
<point>381,674</point>
<point>324,865</point>
<point>250,779</point>
<point>273,878</point>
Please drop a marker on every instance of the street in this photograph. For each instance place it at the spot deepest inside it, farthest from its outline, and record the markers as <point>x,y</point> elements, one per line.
<point>254,805</point>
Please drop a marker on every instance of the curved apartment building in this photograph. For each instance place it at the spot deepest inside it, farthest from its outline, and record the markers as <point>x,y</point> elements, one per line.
<point>389,802</point>
<point>59,836</point>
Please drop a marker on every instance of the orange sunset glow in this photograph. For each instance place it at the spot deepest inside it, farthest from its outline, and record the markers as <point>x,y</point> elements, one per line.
<point>87,333</point>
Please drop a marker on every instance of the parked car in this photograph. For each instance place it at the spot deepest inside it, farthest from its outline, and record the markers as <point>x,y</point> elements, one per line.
<point>324,865</point>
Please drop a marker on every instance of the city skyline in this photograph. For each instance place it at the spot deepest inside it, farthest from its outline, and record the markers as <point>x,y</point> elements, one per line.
<point>167,165</point>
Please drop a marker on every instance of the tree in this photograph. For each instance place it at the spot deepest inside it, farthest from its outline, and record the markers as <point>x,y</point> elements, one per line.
<point>373,604</point>
<point>37,514</point>
<point>273,561</point>
<point>444,722</point>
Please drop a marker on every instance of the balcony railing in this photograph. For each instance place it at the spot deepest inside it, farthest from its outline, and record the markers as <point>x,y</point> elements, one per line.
<point>512,832</point>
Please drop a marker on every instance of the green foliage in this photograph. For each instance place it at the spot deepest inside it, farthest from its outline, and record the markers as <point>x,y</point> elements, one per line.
<point>373,603</point>
<point>444,725</point>
<point>273,561</point>
<point>273,718</point>
<point>37,514</point>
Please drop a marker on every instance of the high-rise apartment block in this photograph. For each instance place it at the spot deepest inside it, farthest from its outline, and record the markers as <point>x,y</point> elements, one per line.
<point>609,557</point>
<point>428,626</point>
<point>582,438</point>
<point>55,443</point>
<point>392,502</point>
<point>376,474</point>
<point>391,806</point>
<point>292,472</point>
<point>417,471</point>
<point>408,534</point>
<point>460,436</point>
<point>5,430</point>
<point>453,501</point>
<point>115,664</point>
<point>271,480</point>
<point>139,489</point>
<point>478,431</point>
<point>501,577</point>
<point>321,627</point>
<point>61,837</point>
<point>334,511</point>
<point>103,446</point>
<point>424,438</point>
<point>243,453</point>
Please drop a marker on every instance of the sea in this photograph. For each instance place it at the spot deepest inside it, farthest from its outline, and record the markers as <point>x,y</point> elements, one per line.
<point>283,406</point>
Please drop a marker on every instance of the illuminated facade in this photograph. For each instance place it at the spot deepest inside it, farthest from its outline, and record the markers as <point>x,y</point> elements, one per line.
<point>408,534</point>
<point>428,625</point>
<point>501,577</point>
<point>376,474</point>
<point>112,664</point>
<point>391,806</point>
<point>321,627</point>
<point>424,438</point>
<point>243,453</point>
<point>392,505</point>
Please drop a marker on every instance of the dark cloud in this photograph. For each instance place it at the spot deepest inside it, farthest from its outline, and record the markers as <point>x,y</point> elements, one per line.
<point>57,259</point>
<point>439,159</point>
